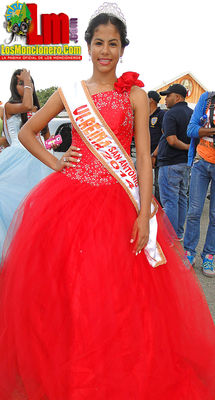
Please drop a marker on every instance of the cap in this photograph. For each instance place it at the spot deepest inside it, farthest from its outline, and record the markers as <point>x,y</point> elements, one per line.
<point>152,94</point>
<point>175,88</point>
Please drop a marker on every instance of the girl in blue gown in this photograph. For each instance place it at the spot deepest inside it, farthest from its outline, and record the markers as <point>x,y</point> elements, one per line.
<point>19,170</point>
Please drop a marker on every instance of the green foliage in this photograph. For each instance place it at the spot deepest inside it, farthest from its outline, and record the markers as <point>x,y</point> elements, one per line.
<point>44,94</point>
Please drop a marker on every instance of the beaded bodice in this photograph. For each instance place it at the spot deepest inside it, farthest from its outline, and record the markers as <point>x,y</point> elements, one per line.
<point>116,109</point>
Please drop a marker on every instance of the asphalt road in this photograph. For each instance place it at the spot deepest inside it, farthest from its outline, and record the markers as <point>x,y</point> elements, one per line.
<point>208,284</point>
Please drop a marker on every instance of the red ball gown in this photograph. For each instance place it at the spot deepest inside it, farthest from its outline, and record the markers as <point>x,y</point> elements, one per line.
<point>83,317</point>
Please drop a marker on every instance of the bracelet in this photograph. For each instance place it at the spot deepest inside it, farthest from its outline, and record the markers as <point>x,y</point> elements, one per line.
<point>29,87</point>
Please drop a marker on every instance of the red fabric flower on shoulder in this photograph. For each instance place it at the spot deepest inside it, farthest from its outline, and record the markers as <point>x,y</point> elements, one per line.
<point>126,81</point>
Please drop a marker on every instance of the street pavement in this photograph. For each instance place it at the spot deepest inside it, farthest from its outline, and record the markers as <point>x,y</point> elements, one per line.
<point>208,284</point>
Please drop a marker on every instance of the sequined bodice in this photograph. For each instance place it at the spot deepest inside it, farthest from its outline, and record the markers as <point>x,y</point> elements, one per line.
<point>116,109</point>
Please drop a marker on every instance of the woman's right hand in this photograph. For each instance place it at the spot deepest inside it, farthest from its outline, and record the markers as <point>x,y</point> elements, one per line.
<point>25,76</point>
<point>69,159</point>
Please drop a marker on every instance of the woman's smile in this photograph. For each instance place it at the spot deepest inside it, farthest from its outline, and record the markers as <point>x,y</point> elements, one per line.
<point>104,61</point>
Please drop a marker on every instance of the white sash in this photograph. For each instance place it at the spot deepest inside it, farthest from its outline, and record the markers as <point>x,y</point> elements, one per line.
<point>102,142</point>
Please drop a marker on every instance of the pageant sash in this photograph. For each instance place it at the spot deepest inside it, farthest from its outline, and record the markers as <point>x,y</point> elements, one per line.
<point>102,142</point>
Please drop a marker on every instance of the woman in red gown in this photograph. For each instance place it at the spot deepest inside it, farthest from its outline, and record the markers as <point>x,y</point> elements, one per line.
<point>83,313</point>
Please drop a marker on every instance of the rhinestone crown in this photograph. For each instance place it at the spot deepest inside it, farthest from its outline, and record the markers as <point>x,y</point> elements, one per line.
<point>110,9</point>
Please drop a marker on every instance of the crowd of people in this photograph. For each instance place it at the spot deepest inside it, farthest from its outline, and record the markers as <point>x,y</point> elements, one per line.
<point>183,151</point>
<point>98,299</point>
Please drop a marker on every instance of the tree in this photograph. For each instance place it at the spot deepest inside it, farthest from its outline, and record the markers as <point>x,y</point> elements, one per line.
<point>44,94</point>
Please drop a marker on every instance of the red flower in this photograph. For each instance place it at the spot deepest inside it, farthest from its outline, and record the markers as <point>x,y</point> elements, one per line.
<point>126,81</point>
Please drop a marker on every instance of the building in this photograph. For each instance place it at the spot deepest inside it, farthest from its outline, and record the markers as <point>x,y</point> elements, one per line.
<point>193,86</point>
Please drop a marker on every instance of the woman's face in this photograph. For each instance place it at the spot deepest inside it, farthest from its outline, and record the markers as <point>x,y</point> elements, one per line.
<point>20,87</point>
<point>105,48</point>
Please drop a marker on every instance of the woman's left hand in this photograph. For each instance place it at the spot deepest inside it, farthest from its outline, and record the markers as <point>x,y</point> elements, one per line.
<point>54,146</point>
<point>70,159</point>
<point>140,233</point>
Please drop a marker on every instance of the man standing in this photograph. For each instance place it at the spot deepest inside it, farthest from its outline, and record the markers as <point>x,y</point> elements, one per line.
<point>172,157</point>
<point>202,128</point>
<point>155,126</point>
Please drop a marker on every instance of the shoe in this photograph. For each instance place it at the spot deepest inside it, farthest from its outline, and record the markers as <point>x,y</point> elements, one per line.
<point>208,265</point>
<point>190,258</point>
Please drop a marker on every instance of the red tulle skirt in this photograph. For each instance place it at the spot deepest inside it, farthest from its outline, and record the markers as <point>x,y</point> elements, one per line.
<point>83,318</point>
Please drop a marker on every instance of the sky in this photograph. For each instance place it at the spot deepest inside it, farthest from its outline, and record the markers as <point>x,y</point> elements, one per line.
<point>167,39</point>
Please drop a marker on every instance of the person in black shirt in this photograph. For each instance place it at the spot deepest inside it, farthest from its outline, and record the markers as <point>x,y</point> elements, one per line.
<point>172,157</point>
<point>155,125</point>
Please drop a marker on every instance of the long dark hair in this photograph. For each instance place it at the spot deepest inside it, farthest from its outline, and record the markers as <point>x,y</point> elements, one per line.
<point>104,19</point>
<point>16,98</point>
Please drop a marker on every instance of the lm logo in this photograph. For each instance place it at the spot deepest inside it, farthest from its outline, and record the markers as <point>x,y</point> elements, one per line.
<point>21,19</point>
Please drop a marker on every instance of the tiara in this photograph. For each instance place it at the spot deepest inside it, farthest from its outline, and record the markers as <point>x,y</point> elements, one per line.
<point>110,9</point>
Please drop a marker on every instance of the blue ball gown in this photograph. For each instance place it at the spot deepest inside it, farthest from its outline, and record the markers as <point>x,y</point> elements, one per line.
<point>19,173</point>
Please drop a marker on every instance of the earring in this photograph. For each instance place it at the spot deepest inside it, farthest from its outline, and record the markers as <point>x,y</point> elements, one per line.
<point>89,57</point>
<point>120,59</point>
